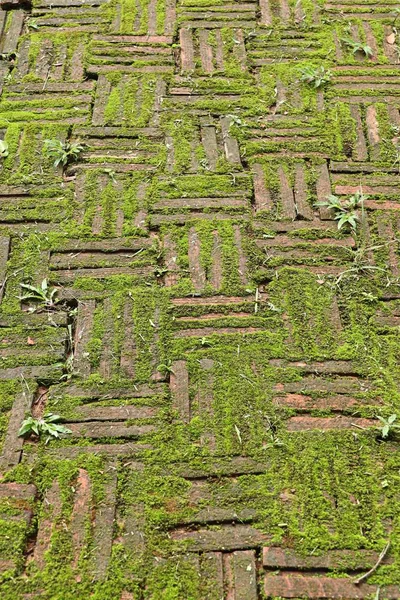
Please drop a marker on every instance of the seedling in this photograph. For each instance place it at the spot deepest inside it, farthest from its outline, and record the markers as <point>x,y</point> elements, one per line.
<point>3,149</point>
<point>166,368</point>
<point>358,47</point>
<point>63,152</point>
<point>389,426</point>
<point>32,24</point>
<point>346,213</point>
<point>43,294</point>
<point>316,76</point>
<point>47,426</point>
<point>111,174</point>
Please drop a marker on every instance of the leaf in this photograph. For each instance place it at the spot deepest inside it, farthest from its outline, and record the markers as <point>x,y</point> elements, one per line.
<point>238,433</point>
<point>61,429</point>
<point>391,38</point>
<point>392,419</point>
<point>51,418</point>
<point>385,431</point>
<point>26,427</point>
<point>26,286</point>
<point>3,148</point>
<point>53,293</point>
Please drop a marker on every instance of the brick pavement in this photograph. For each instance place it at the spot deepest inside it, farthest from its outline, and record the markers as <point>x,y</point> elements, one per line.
<point>219,350</point>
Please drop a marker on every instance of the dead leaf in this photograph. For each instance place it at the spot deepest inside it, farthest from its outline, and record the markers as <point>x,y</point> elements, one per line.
<point>391,38</point>
<point>30,341</point>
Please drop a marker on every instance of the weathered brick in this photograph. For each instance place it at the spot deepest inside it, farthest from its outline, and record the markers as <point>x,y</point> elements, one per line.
<point>282,558</point>
<point>297,586</point>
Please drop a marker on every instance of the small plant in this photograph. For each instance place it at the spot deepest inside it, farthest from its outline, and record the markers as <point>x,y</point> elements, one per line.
<point>43,294</point>
<point>48,426</point>
<point>346,213</point>
<point>32,24</point>
<point>3,149</point>
<point>389,426</point>
<point>358,47</point>
<point>160,271</point>
<point>166,368</point>
<point>111,174</point>
<point>69,363</point>
<point>63,152</point>
<point>316,76</point>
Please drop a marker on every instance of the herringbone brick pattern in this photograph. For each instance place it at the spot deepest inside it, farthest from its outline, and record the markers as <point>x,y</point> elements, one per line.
<point>219,349</point>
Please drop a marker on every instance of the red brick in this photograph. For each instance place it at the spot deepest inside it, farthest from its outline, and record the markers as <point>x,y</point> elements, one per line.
<point>320,588</point>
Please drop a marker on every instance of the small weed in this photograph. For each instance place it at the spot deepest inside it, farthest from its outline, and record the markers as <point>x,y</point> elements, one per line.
<point>111,174</point>
<point>389,426</point>
<point>347,212</point>
<point>32,24</point>
<point>3,149</point>
<point>166,368</point>
<point>48,426</point>
<point>68,368</point>
<point>160,271</point>
<point>316,76</point>
<point>43,294</point>
<point>361,266</point>
<point>63,152</point>
<point>358,47</point>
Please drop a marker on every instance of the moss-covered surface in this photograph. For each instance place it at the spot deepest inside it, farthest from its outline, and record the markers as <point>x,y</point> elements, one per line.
<point>219,349</point>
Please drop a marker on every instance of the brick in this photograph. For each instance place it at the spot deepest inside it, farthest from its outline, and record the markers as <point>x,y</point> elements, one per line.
<point>187,52</point>
<point>231,146</point>
<point>226,538</point>
<point>212,574</point>
<point>326,423</point>
<point>13,443</point>
<point>243,575</point>
<point>282,558</point>
<point>297,586</point>
<point>46,524</point>
<point>107,450</point>
<point>80,513</point>
<point>17,491</point>
<point>286,196</point>
<point>303,209</point>
<point>373,132</point>
<point>262,195</point>
<point>179,385</point>
<point>113,413</point>
<point>103,527</point>
<point>105,429</point>
<point>83,332</point>
<point>4,250</point>
<point>197,273</point>
<point>324,190</point>
<point>238,465</point>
